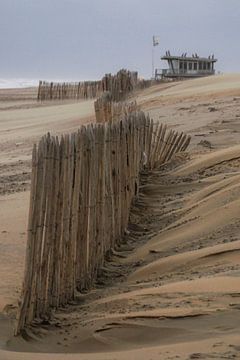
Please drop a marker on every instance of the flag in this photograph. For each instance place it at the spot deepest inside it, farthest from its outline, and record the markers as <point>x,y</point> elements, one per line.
<point>155,40</point>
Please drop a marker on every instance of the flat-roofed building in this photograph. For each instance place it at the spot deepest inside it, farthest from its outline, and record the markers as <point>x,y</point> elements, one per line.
<point>187,66</point>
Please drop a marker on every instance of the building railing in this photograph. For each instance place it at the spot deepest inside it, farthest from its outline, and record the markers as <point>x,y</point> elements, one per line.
<point>176,72</point>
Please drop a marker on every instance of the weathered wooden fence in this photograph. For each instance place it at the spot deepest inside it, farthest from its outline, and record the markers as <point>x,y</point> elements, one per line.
<point>67,90</point>
<point>120,85</point>
<point>164,144</point>
<point>81,191</point>
<point>108,110</point>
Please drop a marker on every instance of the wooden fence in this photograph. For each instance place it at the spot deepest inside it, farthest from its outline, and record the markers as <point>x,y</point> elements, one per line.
<point>107,110</point>
<point>165,144</point>
<point>65,91</point>
<point>120,85</point>
<point>81,191</point>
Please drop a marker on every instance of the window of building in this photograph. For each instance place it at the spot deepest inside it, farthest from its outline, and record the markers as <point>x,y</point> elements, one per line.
<point>204,65</point>
<point>185,65</point>
<point>209,66</point>
<point>200,65</point>
<point>195,66</point>
<point>181,65</point>
<point>190,66</point>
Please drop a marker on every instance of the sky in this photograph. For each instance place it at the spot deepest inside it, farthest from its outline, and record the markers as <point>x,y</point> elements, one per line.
<point>84,39</point>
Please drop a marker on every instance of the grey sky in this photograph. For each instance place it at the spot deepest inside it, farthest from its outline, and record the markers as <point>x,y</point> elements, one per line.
<point>83,39</point>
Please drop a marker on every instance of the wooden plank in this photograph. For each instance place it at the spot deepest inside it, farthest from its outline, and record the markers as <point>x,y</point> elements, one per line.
<point>31,243</point>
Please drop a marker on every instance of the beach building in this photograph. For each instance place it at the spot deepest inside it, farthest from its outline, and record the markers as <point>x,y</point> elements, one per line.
<point>186,66</point>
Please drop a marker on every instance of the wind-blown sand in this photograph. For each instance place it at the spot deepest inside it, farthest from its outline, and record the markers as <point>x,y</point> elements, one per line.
<point>172,291</point>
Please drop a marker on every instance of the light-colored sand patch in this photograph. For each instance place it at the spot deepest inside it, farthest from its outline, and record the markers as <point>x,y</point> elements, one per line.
<point>13,233</point>
<point>208,87</point>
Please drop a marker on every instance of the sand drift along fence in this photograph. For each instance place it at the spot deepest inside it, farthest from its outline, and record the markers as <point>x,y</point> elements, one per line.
<point>82,189</point>
<point>120,85</point>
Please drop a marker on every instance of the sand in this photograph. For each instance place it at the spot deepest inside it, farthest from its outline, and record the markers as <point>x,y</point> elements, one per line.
<point>172,290</point>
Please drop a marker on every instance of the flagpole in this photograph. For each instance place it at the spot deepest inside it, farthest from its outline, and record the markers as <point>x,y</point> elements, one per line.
<point>153,62</point>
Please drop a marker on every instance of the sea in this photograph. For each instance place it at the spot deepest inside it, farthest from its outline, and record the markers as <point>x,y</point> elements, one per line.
<point>17,83</point>
<point>23,83</point>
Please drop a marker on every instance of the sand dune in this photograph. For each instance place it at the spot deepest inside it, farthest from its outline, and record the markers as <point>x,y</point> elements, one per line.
<point>209,160</point>
<point>173,289</point>
<point>217,86</point>
<point>207,212</point>
<point>207,257</point>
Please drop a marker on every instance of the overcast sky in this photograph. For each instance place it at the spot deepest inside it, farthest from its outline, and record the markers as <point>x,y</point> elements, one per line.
<point>83,39</point>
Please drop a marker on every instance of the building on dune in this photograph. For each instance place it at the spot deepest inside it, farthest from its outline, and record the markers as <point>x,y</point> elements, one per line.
<point>186,66</point>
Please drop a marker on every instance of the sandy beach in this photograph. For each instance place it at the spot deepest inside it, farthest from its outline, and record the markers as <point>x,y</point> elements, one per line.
<point>173,289</point>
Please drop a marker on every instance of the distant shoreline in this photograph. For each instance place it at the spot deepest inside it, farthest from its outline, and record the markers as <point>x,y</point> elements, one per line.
<point>22,83</point>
